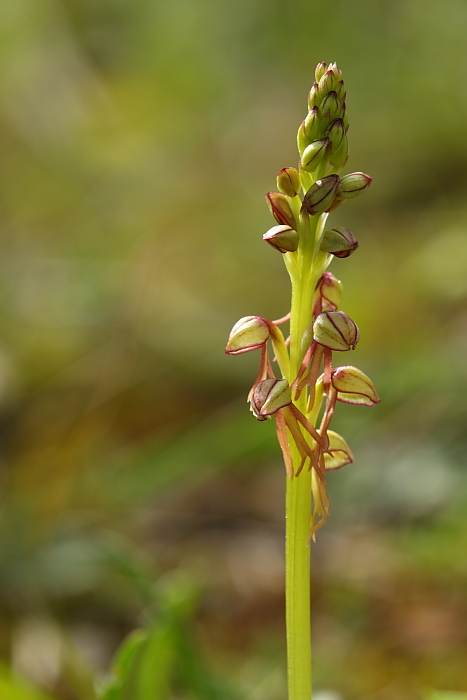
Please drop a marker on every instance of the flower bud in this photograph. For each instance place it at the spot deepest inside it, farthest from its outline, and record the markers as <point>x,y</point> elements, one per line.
<point>336,331</point>
<point>312,124</point>
<point>353,386</point>
<point>313,96</point>
<point>321,195</point>
<point>280,209</point>
<point>320,71</point>
<point>314,154</point>
<point>327,83</point>
<point>340,91</point>
<point>339,241</point>
<point>352,185</point>
<point>330,104</point>
<point>288,181</point>
<point>330,289</point>
<point>249,333</point>
<point>337,72</point>
<point>340,452</point>
<point>269,396</point>
<point>284,238</point>
<point>345,119</point>
<point>302,139</point>
<point>338,158</point>
<point>336,133</point>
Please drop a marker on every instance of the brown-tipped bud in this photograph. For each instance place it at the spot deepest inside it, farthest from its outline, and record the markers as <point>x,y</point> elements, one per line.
<point>312,124</point>
<point>313,96</point>
<point>269,396</point>
<point>337,72</point>
<point>249,333</point>
<point>342,112</point>
<point>353,386</point>
<point>336,331</point>
<point>339,453</point>
<point>327,83</point>
<point>345,119</point>
<point>339,157</point>
<point>320,71</point>
<point>283,238</point>
<point>339,241</point>
<point>352,185</point>
<point>330,104</point>
<point>288,182</point>
<point>336,133</point>
<point>330,289</point>
<point>280,209</point>
<point>302,139</point>
<point>314,154</point>
<point>340,90</point>
<point>321,195</point>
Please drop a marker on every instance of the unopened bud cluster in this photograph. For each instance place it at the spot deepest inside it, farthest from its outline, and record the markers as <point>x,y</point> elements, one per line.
<point>326,123</point>
<point>318,328</point>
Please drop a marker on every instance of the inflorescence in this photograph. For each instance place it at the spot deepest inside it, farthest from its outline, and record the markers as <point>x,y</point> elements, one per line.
<point>318,328</point>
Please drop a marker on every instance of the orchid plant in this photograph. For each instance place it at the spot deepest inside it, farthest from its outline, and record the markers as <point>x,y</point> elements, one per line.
<point>302,401</point>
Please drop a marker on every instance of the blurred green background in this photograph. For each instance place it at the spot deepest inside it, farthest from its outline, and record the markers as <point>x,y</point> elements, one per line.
<point>136,142</point>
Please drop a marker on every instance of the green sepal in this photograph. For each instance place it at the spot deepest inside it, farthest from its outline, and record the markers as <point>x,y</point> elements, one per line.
<point>336,331</point>
<point>314,96</point>
<point>283,238</point>
<point>321,195</point>
<point>339,157</point>
<point>280,209</point>
<point>336,133</point>
<point>312,125</point>
<point>288,182</point>
<point>330,290</point>
<point>270,396</point>
<point>314,154</point>
<point>339,241</point>
<point>352,185</point>
<point>249,333</point>
<point>353,386</point>
<point>340,453</point>
<point>320,70</point>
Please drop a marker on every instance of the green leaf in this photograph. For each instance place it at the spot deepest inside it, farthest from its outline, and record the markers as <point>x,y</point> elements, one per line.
<point>156,665</point>
<point>143,665</point>
<point>127,652</point>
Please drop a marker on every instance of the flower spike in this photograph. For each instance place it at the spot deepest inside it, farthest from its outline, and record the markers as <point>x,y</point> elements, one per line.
<point>318,328</point>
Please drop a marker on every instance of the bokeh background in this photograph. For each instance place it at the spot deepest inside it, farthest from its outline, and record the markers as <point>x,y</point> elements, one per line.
<point>136,142</point>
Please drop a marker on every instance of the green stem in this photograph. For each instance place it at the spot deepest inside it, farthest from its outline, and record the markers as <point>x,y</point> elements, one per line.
<point>298,496</point>
<point>297,557</point>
